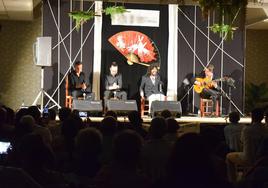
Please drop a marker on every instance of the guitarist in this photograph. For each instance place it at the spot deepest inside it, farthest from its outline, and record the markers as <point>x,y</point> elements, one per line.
<point>211,88</point>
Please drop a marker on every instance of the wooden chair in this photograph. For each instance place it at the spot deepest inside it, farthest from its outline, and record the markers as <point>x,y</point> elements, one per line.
<point>68,97</point>
<point>206,106</point>
<point>144,107</point>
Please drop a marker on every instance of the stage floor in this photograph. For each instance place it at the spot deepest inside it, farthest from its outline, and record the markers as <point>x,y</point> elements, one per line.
<point>184,119</point>
<point>187,123</point>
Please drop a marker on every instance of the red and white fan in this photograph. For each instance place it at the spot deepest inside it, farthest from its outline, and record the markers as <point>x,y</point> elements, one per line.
<point>136,47</point>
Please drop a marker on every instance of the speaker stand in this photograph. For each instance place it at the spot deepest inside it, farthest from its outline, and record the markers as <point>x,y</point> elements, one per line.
<point>42,93</point>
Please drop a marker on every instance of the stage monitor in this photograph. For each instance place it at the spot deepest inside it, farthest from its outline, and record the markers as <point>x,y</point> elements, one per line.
<point>122,105</point>
<point>87,105</point>
<point>42,51</point>
<point>173,106</point>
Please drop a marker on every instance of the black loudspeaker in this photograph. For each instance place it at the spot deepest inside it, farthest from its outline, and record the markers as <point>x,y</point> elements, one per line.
<point>87,105</point>
<point>122,105</point>
<point>173,106</point>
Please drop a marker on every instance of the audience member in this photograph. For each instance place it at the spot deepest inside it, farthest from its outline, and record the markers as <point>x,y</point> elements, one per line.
<point>24,127</point>
<point>38,129</point>
<point>232,132</point>
<point>19,114</point>
<point>10,115</point>
<point>166,114</point>
<point>88,147</point>
<point>172,130</point>
<point>108,129</point>
<point>63,145</point>
<point>52,114</point>
<point>156,150</point>
<point>123,171</point>
<point>111,113</point>
<point>251,137</point>
<point>6,129</point>
<point>135,120</point>
<point>37,159</point>
<point>190,165</point>
<point>53,125</point>
<point>15,178</point>
<point>256,176</point>
<point>216,149</point>
<point>64,113</point>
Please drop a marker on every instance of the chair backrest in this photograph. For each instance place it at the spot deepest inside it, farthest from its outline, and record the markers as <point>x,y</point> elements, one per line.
<point>67,86</point>
<point>68,97</point>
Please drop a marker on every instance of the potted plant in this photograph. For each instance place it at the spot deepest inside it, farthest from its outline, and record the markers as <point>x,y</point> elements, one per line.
<point>256,96</point>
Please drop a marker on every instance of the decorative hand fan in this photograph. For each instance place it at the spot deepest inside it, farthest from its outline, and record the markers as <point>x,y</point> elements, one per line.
<point>136,47</point>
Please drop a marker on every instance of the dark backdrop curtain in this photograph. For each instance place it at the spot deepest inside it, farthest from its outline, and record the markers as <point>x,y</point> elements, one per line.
<point>132,74</point>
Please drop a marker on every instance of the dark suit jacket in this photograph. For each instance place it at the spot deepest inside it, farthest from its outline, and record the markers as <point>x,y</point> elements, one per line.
<point>110,80</point>
<point>74,80</point>
<point>148,87</point>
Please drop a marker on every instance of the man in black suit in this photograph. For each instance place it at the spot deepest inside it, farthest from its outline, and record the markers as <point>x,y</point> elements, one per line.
<point>78,86</point>
<point>113,84</point>
<point>151,86</point>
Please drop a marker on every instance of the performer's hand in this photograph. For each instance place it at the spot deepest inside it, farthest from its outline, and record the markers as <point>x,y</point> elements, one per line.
<point>214,84</point>
<point>197,83</point>
<point>115,86</point>
<point>84,86</point>
<point>142,95</point>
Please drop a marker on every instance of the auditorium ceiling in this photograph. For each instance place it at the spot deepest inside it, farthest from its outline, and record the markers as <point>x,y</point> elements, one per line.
<point>256,17</point>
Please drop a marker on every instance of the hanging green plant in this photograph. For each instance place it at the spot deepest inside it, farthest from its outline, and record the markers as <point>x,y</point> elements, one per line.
<point>225,14</point>
<point>224,30</point>
<point>114,10</point>
<point>80,17</point>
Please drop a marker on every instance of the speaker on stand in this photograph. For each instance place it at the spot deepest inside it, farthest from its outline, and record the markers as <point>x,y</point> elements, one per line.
<point>42,57</point>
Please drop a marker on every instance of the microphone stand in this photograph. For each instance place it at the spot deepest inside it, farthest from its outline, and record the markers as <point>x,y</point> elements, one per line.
<point>188,99</point>
<point>230,98</point>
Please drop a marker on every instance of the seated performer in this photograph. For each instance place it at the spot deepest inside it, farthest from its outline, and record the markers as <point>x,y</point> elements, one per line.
<point>77,84</point>
<point>207,87</point>
<point>113,84</point>
<point>151,86</point>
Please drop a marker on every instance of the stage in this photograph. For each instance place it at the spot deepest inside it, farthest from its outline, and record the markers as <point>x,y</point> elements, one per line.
<point>184,120</point>
<point>187,123</point>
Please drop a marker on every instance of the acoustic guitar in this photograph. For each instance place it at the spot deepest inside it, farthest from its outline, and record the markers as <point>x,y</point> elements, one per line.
<point>205,83</point>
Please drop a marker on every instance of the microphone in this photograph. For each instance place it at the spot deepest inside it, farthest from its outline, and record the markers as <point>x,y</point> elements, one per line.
<point>161,86</point>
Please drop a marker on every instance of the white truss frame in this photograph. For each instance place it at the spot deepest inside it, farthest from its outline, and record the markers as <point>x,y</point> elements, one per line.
<point>219,46</point>
<point>61,40</point>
